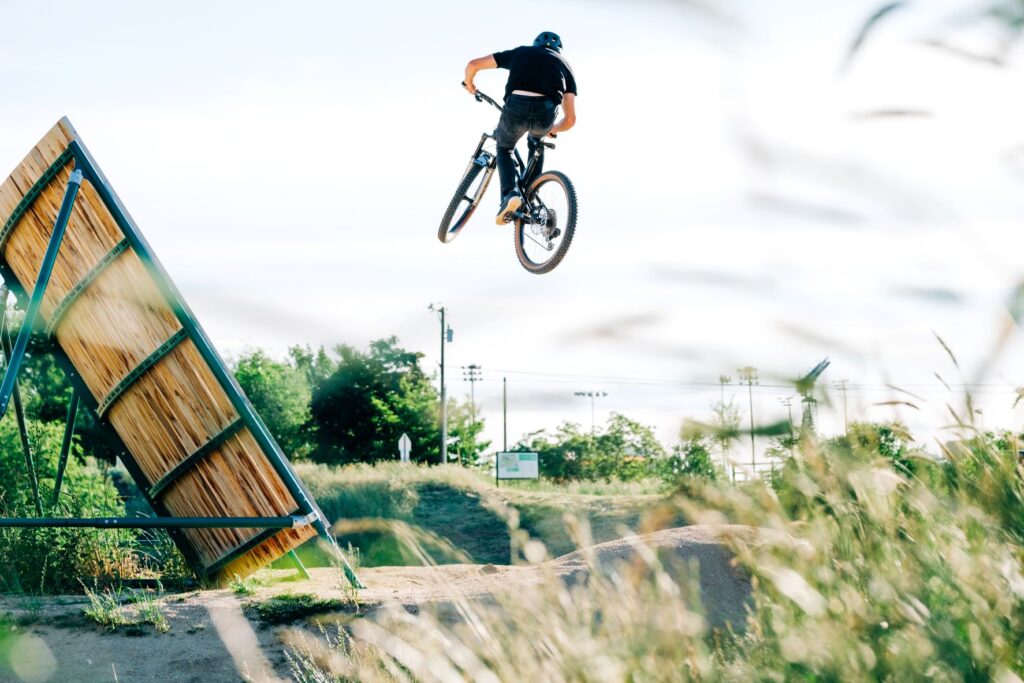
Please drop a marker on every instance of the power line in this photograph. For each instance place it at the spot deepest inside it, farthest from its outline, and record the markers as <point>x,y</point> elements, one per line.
<point>980,387</point>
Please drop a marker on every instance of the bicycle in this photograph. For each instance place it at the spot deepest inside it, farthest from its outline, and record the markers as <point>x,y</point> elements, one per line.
<point>546,222</point>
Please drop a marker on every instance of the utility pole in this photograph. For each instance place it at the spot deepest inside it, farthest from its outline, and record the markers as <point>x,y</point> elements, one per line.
<point>748,374</point>
<point>842,386</point>
<point>591,395</point>
<point>446,337</point>
<point>472,374</point>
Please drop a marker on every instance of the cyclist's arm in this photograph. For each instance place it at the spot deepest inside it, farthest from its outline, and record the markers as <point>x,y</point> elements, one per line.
<point>478,64</point>
<point>568,114</point>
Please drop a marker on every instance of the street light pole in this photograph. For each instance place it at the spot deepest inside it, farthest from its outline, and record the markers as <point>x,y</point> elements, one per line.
<point>591,395</point>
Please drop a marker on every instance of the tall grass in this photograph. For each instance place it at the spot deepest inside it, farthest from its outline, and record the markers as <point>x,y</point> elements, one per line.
<point>861,572</point>
<point>56,560</point>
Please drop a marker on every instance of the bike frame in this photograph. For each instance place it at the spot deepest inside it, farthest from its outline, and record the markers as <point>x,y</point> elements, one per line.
<point>489,161</point>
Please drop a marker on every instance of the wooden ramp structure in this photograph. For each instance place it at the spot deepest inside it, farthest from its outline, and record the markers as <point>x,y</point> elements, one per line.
<point>137,357</point>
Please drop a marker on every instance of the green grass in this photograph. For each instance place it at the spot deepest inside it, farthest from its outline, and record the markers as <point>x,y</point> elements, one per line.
<point>465,509</point>
<point>107,609</point>
<point>289,607</point>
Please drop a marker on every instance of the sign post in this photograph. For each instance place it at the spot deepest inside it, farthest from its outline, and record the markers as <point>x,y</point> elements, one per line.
<point>404,447</point>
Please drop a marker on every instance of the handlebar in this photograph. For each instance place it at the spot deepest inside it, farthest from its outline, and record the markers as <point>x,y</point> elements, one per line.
<point>483,97</point>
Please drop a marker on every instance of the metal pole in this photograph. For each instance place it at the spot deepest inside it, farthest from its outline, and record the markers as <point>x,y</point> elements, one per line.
<point>753,453</point>
<point>42,280</point>
<point>504,411</point>
<point>65,446</point>
<point>294,557</point>
<point>153,522</point>
<point>444,397</point>
<point>749,375</point>
<point>19,410</point>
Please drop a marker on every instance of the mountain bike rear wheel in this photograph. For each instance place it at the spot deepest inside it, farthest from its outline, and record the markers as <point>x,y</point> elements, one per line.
<point>467,198</point>
<point>545,232</point>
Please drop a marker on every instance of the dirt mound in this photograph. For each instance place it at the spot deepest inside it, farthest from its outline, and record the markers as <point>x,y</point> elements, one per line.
<point>724,588</point>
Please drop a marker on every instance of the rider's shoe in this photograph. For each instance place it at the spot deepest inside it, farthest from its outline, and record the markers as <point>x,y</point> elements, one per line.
<point>509,205</point>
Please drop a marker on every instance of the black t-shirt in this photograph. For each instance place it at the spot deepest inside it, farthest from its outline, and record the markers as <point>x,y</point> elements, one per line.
<point>538,70</point>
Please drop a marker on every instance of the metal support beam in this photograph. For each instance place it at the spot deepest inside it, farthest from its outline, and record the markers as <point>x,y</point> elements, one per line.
<point>271,523</point>
<point>65,444</point>
<point>33,194</point>
<point>140,370</point>
<point>191,461</point>
<point>19,409</point>
<point>71,297</point>
<point>294,557</point>
<point>42,280</point>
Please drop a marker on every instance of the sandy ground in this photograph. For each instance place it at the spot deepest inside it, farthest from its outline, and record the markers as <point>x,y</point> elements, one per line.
<point>214,637</point>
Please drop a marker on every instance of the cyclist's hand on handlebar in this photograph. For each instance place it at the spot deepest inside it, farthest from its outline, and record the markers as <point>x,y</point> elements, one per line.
<point>470,87</point>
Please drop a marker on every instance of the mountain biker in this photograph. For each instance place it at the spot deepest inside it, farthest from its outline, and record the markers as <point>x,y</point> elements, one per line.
<point>539,81</point>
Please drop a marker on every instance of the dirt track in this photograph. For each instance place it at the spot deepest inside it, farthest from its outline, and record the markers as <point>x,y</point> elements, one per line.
<point>213,637</point>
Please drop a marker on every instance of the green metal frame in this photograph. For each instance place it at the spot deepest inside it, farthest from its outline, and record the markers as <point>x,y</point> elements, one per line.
<point>140,370</point>
<point>69,300</point>
<point>176,472</point>
<point>33,194</point>
<point>86,166</point>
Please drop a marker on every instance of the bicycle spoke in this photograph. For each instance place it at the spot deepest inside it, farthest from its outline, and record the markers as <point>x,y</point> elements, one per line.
<point>542,232</point>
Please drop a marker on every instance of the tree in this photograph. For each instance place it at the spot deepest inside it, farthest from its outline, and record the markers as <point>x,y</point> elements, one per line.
<point>690,459</point>
<point>359,411</point>
<point>624,449</point>
<point>280,393</point>
<point>562,453</point>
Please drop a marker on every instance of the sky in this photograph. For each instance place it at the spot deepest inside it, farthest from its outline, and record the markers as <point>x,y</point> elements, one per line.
<point>741,202</point>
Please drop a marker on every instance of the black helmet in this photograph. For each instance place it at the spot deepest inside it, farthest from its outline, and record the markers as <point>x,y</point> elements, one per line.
<point>549,40</point>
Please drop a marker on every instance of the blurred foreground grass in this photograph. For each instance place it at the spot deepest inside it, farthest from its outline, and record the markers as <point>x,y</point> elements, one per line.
<point>874,573</point>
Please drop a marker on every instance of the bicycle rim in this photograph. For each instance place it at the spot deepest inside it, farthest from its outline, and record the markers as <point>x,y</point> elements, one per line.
<point>544,237</point>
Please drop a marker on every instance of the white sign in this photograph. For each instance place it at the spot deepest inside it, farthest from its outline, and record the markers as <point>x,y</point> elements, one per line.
<point>404,447</point>
<point>518,466</point>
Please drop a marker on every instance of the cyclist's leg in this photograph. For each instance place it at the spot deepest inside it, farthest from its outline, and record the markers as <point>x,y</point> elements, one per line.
<point>540,125</point>
<point>512,126</point>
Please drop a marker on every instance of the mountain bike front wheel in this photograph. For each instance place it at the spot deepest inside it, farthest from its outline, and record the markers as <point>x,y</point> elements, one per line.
<point>544,232</point>
<point>467,197</point>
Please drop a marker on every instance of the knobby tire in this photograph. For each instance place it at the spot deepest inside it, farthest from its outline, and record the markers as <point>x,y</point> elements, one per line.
<point>447,230</point>
<point>568,229</point>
